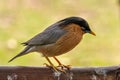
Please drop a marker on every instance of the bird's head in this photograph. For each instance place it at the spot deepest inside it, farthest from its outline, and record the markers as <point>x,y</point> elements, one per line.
<point>79,21</point>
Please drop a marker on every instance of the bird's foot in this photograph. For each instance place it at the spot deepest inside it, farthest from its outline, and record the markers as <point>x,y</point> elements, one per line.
<point>64,66</point>
<point>57,69</point>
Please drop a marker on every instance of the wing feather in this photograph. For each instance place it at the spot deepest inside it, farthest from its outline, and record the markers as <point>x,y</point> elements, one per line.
<point>48,36</point>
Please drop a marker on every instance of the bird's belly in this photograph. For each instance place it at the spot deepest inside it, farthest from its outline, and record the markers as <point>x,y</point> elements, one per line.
<point>63,45</point>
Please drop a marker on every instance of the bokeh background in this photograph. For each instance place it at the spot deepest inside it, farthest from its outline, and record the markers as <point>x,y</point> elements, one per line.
<point>20,20</point>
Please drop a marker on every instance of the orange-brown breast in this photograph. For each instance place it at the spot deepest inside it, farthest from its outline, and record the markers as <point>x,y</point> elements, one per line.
<point>66,43</point>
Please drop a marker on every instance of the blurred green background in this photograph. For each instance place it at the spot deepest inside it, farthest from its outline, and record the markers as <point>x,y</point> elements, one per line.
<point>20,20</point>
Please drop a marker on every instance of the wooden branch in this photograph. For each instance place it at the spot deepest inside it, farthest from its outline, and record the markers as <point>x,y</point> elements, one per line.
<point>43,73</point>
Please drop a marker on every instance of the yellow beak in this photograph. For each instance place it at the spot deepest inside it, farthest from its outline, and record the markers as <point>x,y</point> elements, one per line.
<point>92,33</point>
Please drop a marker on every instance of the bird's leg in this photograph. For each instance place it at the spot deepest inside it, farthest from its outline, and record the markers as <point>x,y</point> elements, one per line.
<point>51,65</point>
<point>61,65</point>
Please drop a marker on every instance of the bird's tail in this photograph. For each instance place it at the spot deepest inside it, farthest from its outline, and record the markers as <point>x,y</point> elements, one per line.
<point>25,51</point>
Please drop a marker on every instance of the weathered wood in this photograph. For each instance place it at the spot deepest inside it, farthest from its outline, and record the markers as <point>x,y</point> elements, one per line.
<point>43,73</point>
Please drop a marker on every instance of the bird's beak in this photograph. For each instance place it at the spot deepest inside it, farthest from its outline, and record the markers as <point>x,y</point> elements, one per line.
<point>92,33</point>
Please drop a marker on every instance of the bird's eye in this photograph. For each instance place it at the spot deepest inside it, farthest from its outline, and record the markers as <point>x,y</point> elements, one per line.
<point>82,28</point>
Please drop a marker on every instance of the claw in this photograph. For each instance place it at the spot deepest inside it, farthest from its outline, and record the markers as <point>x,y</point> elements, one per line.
<point>64,66</point>
<point>55,68</point>
<point>46,65</point>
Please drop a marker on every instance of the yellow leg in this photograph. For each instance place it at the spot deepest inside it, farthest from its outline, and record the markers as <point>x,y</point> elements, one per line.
<point>61,65</point>
<point>57,60</point>
<point>51,65</point>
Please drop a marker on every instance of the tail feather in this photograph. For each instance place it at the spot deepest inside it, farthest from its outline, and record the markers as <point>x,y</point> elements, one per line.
<point>25,51</point>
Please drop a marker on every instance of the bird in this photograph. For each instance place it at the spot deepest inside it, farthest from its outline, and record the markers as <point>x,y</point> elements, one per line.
<point>59,38</point>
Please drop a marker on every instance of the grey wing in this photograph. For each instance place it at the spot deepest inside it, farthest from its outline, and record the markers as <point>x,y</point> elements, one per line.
<point>48,36</point>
